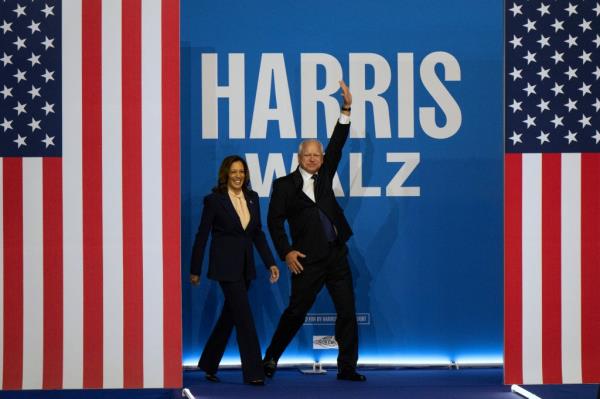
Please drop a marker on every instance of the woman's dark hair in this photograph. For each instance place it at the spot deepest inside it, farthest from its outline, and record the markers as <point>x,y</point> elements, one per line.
<point>221,186</point>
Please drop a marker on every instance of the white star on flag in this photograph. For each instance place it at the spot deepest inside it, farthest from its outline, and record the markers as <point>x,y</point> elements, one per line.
<point>516,42</point>
<point>20,10</point>
<point>557,89</point>
<point>48,75</point>
<point>516,138</point>
<point>20,141</point>
<point>543,106</point>
<point>6,59</point>
<point>571,137</point>
<point>557,121</point>
<point>34,124</point>
<point>544,9</point>
<point>530,121</point>
<point>584,121</point>
<point>530,25</point>
<point>6,92</point>
<point>557,57</point>
<point>572,9</point>
<point>49,108</point>
<point>48,141</point>
<point>544,73</point>
<point>516,9</point>
<point>34,27</point>
<point>571,105</point>
<point>48,43</point>
<point>48,11</point>
<point>6,27</point>
<point>543,137</point>
<point>516,73</point>
<point>35,92</point>
<point>571,73</point>
<point>20,75</point>
<point>557,25</point>
<point>516,105</point>
<point>34,59</point>
<point>530,89</point>
<point>20,43</point>
<point>585,89</point>
<point>544,41</point>
<point>20,108</point>
<point>6,124</point>
<point>571,41</point>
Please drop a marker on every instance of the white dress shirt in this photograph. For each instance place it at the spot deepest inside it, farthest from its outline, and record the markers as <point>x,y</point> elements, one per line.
<point>308,184</point>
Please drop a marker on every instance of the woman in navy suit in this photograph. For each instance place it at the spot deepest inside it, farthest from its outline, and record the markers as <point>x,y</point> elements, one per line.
<point>232,215</point>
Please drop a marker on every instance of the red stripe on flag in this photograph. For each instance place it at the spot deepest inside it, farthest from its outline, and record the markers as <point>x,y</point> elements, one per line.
<point>170,196</point>
<point>133,342</point>
<point>513,324</point>
<point>551,269</point>
<point>590,267</point>
<point>12,214</point>
<point>92,193</point>
<point>53,273</point>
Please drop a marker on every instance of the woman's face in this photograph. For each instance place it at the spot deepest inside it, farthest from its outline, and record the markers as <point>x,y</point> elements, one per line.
<point>236,177</point>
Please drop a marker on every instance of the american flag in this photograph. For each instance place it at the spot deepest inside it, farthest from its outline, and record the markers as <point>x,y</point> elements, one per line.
<point>552,192</point>
<point>89,197</point>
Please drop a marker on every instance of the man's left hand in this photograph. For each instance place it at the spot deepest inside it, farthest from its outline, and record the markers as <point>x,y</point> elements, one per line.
<point>346,94</point>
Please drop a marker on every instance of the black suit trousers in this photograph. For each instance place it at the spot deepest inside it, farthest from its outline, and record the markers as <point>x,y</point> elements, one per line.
<point>236,312</point>
<point>333,272</point>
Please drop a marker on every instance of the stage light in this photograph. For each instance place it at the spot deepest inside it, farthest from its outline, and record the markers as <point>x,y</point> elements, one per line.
<point>523,392</point>
<point>479,360</point>
<point>329,358</point>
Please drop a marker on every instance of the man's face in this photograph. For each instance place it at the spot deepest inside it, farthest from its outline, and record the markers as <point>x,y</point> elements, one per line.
<point>311,157</point>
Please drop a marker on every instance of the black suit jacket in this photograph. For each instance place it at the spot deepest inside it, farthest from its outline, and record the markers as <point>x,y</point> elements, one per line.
<point>231,257</point>
<point>288,202</point>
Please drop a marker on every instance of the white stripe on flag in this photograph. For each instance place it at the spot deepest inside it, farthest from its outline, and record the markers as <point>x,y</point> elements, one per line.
<point>532,268</point>
<point>571,267</point>
<point>152,193</point>
<point>33,273</point>
<point>112,198</point>
<point>1,271</point>
<point>72,197</point>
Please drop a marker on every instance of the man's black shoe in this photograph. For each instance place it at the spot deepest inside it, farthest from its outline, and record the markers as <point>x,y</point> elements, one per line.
<point>269,367</point>
<point>256,383</point>
<point>352,376</point>
<point>212,377</point>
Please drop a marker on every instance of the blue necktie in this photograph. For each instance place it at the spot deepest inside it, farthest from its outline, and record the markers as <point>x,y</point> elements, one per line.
<point>325,222</point>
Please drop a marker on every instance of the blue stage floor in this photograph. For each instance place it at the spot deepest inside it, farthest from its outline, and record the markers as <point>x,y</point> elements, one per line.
<point>382,383</point>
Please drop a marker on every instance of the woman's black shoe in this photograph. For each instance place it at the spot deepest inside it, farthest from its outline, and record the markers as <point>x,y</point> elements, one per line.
<point>257,383</point>
<point>212,377</point>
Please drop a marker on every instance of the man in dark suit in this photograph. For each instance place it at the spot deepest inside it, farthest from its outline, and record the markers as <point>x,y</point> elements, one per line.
<point>317,253</point>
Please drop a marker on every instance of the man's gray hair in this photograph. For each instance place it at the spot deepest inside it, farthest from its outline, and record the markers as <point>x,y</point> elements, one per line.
<point>301,146</point>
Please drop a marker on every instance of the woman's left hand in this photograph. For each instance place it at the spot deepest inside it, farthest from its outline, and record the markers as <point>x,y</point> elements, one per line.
<point>274,274</point>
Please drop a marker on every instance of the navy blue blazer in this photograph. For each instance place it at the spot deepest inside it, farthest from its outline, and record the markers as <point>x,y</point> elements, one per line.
<point>231,257</point>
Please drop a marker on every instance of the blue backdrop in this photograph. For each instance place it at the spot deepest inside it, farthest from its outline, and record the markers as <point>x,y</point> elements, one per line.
<point>421,176</point>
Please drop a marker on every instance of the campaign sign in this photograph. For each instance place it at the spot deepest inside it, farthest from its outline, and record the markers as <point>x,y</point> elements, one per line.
<point>420,180</point>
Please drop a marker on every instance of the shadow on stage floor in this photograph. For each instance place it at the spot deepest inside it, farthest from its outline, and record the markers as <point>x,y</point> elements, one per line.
<point>382,383</point>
